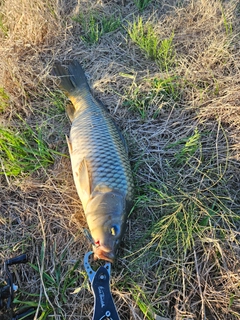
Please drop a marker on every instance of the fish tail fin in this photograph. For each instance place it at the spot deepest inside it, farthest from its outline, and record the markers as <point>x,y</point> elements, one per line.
<point>72,79</point>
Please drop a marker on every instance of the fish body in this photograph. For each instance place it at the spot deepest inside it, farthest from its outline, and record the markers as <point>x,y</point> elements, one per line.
<point>100,163</point>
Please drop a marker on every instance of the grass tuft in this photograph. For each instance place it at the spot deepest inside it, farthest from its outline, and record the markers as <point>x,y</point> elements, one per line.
<point>142,302</point>
<point>95,26</point>
<point>227,24</point>
<point>4,100</point>
<point>149,100</point>
<point>23,151</point>
<point>190,146</point>
<point>141,4</point>
<point>144,35</point>
<point>3,28</point>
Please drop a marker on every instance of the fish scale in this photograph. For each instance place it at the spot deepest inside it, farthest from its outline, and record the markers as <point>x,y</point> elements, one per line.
<point>99,147</point>
<point>100,163</point>
<point>107,164</point>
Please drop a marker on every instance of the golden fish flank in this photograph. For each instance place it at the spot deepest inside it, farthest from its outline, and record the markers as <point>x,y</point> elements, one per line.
<point>100,164</point>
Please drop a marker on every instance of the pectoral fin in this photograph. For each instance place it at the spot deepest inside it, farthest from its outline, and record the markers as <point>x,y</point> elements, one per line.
<point>70,111</point>
<point>69,144</point>
<point>83,182</point>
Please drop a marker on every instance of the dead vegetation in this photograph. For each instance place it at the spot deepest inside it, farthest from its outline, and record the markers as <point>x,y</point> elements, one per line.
<point>180,254</point>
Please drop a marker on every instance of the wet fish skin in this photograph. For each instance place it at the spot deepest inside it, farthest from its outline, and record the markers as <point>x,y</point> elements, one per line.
<point>100,163</point>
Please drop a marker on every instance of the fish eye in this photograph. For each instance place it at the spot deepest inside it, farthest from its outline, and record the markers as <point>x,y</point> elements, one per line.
<point>115,230</point>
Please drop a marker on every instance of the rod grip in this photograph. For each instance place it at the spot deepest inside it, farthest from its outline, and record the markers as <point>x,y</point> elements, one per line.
<point>16,260</point>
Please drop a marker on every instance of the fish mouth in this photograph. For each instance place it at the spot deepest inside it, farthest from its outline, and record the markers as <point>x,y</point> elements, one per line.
<point>100,253</point>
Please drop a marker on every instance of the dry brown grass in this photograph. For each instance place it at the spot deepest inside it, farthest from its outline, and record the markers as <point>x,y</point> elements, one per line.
<point>192,277</point>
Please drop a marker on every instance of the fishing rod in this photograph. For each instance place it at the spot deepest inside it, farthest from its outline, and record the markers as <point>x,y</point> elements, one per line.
<point>8,289</point>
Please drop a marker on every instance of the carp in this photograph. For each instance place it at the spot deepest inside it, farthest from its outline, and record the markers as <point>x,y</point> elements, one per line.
<point>100,164</point>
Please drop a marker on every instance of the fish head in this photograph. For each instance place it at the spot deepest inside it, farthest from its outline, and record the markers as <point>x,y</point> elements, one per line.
<point>106,240</point>
<point>106,217</point>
